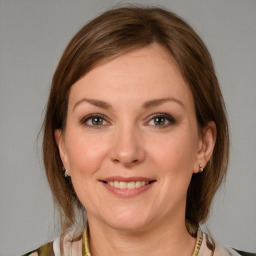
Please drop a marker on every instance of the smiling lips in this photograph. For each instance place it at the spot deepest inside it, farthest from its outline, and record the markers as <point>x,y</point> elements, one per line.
<point>127,187</point>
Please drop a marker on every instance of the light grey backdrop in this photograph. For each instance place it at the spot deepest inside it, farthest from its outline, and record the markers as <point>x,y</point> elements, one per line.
<point>33,34</point>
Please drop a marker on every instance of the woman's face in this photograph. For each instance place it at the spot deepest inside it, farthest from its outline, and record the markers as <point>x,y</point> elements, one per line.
<point>131,142</point>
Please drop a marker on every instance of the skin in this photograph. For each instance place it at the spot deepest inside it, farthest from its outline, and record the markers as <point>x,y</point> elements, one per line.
<point>128,141</point>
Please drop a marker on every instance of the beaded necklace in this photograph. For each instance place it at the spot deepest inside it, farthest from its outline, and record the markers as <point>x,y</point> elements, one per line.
<point>86,248</point>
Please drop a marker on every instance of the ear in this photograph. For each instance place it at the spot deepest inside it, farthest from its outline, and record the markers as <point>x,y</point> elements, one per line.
<point>206,146</point>
<point>60,141</point>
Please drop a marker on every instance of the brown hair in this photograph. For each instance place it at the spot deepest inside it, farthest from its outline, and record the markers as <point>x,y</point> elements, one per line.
<point>109,35</point>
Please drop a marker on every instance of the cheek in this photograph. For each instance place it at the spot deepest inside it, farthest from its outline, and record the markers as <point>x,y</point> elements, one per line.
<point>174,153</point>
<point>85,153</point>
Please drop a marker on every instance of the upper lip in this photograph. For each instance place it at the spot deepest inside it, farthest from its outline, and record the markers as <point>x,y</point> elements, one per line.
<point>126,179</point>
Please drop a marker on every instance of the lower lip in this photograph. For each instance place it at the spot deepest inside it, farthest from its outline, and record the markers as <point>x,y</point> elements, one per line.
<point>126,193</point>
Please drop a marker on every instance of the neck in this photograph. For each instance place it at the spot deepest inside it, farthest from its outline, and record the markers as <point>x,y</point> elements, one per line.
<point>159,239</point>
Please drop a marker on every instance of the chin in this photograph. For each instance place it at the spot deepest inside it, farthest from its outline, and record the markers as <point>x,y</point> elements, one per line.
<point>128,225</point>
<point>129,221</point>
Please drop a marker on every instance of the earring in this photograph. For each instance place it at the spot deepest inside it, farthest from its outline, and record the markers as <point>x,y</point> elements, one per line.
<point>201,169</point>
<point>65,173</point>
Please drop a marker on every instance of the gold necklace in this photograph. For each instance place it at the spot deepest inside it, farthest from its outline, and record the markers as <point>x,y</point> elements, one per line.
<point>86,247</point>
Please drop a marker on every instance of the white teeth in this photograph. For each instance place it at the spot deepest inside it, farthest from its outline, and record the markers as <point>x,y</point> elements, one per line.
<point>123,184</point>
<point>131,185</point>
<point>116,184</point>
<point>138,184</point>
<point>127,185</point>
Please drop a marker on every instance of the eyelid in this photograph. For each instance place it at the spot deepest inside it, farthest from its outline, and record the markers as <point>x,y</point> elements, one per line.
<point>169,118</point>
<point>94,115</point>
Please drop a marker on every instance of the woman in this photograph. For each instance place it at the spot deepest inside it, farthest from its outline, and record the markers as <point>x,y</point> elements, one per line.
<point>135,133</point>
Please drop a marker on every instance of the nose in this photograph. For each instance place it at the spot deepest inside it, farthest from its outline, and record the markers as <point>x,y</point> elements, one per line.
<point>127,147</point>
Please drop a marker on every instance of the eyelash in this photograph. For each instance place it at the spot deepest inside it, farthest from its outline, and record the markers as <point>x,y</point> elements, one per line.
<point>85,120</point>
<point>153,117</point>
<point>171,120</point>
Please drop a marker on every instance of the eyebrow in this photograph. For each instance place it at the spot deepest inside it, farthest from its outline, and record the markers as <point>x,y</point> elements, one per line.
<point>147,104</point>
<point>97,103</point>
<point>157,102</point>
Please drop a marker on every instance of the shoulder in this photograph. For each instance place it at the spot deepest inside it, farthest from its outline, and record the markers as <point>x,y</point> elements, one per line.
<point>221,250</point>
<point>69,242</point>
<point>225,251</point>
<point>211,248</point>
<point>45,250</point>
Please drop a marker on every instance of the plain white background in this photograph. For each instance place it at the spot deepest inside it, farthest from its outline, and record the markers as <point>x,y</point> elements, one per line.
<point>33,34</point>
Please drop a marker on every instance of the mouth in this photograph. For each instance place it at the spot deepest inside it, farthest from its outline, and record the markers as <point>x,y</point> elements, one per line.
<point>128,185</point>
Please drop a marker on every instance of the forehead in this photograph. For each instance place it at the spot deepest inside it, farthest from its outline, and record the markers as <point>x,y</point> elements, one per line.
<point>140,74</point>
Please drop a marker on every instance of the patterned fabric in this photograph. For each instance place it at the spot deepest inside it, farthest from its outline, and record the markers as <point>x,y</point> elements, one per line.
<point>67,245</point>
<point>45,250</point>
